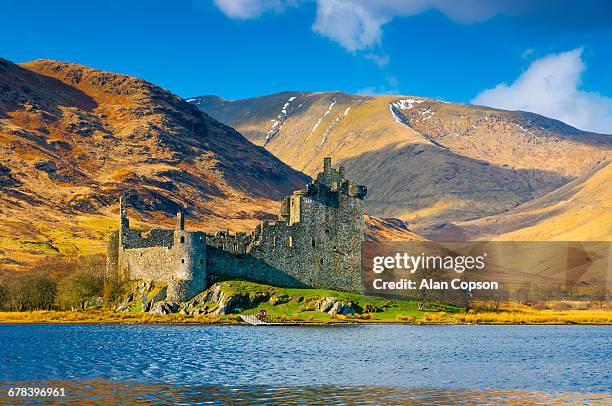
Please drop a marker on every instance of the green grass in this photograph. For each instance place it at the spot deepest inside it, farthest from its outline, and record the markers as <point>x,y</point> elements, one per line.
<point>297,304</point>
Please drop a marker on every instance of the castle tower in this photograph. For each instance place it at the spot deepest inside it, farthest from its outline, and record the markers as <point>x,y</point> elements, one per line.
<point>181,249</point>
<point>327,165</point>
<point>124,223</point>
<point>180,221</point>
<point>189,255</point>
<point>324,231</point>
<point>327,178</point>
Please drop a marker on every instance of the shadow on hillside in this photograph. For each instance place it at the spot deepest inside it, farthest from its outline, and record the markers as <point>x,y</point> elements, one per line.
<point>411,177</point>
<point>276,180</point>
<point>46,92</point>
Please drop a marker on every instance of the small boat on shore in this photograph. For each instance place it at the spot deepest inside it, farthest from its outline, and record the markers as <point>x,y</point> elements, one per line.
<point>253,319</point>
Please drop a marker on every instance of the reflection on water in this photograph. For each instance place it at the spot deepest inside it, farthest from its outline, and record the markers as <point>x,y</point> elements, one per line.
<point>93,392</point>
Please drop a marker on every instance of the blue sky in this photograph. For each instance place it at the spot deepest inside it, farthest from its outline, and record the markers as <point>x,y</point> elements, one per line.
<point>502,54</point>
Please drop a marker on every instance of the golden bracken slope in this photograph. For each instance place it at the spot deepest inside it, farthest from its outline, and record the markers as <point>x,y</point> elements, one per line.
<point>72,139</point>
<point>578,211</point>
<point>428,162</point>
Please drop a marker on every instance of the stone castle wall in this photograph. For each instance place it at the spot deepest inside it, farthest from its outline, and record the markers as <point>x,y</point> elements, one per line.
<point>112,256</point>
<point>133,238</point>
<point>174,256</point>
<point>322,250</point>
<point>154,263</point>
<point>246,266</point>
<point>316,243</point>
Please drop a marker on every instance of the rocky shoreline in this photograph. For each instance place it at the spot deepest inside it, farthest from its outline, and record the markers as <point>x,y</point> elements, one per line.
<point>152,298</point>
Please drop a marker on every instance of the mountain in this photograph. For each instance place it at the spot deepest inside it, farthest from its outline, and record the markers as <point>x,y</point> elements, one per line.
<point>428,162</point>
<point>388,229</point>
<point>578,211</point>
<point>72,139</point>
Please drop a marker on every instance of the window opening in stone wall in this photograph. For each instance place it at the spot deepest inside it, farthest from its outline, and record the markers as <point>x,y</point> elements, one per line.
<point>321,261</point>
<point>182,239</point>
<point>327,231</point>
<point>201,240</point>
<point>313,243</point>
<point>201,261</point>
<point>182,260</point>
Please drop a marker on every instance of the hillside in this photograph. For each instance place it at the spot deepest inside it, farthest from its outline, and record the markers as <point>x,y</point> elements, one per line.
<point>388,229</point>
<point>578,211</point>
<point>72,139</point>
<point>425,161</point>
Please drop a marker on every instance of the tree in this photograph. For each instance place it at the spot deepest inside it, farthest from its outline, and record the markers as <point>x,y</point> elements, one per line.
<point>29,291</point>
<point>75,289</point>
<point>4,297</point>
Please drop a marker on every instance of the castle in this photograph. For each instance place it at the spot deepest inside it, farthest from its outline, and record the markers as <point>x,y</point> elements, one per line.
<point>316,242</point>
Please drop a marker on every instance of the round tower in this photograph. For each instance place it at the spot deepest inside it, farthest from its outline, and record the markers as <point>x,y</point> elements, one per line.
<point>190,257</point>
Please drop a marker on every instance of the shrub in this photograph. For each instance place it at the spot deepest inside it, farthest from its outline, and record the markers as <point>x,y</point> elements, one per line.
<point>369,308</point>
<point>112,290</point>
<point>31,291</point>
<point>53,282</point>
<point>75,289</point>
<point>4,298</point>
<point>561,306</point>
<point>435,317</point>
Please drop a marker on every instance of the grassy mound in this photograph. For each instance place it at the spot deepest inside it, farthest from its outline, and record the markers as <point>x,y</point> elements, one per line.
<point>308,305</point>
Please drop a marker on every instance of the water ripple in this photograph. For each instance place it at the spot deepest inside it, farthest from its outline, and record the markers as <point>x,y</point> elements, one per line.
<point>542,359</point>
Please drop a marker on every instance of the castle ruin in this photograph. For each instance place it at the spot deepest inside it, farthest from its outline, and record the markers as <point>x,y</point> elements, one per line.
<point>316,242</point>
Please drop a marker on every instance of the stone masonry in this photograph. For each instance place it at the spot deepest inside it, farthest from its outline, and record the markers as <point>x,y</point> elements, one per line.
<point>316,242</point>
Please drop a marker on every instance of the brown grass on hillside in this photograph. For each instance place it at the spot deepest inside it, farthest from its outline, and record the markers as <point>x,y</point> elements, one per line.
<point>423,160</point>
<point>578,211</point>
<point>75,138</point>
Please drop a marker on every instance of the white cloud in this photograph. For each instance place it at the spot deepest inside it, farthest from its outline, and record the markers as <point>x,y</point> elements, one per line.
<point>357,24</point>
<point>527,53</point>
<point>348,22</point>
<point>381,60</point>
<point>377,91</point>
<point>384,90</point>
<point>245,9</point>
<point>551,87</point>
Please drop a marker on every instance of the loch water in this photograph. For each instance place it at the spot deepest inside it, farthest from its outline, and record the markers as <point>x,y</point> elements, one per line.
<point>369,364</point>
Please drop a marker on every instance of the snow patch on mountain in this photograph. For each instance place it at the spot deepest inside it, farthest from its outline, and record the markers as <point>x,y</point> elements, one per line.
<point>329,109</point>
<point>397,118</point>
<point>277,123</point>
<point>427,114</point>
<point>406,104</point>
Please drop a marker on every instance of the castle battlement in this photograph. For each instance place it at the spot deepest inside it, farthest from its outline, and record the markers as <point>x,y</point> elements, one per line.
<point>316,242</point>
